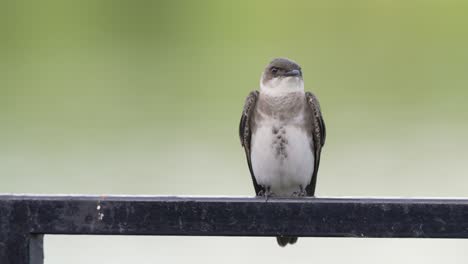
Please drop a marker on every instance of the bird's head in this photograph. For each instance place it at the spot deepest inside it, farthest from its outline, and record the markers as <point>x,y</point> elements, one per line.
<point>281,76</point>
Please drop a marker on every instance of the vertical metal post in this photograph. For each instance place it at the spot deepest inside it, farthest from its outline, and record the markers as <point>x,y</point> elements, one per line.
<point>36,249</point>
<point>17,244</point>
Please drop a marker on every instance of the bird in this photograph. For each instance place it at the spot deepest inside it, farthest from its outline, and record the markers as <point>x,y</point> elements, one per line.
<point>282,132</point>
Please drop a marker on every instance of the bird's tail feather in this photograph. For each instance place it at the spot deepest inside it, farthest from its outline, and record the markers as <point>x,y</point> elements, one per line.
<point>284,240</point>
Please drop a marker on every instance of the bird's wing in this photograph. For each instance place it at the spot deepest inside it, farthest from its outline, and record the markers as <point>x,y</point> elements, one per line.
<point>318,137</point>
<point>245,132</point>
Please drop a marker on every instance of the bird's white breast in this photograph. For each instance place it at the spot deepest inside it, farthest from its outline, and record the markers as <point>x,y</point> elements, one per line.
<point>284,160</point>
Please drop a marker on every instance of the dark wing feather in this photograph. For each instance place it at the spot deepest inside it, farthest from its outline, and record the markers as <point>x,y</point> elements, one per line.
<point>245,132</point>
<point>318,136</point>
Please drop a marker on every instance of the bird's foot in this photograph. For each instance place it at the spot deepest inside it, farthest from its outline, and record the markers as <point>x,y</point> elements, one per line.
<point>300,193</point>
<point>266,193</point>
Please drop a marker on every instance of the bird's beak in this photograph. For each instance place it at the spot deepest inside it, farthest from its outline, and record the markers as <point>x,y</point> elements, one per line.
<point>293,73</point>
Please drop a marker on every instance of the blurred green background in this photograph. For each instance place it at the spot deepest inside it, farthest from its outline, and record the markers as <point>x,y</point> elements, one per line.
<point>144,97</point>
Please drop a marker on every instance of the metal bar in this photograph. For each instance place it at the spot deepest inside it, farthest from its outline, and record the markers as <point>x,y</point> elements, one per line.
<point>17,244</point>
<point>25,218</point>
<point>324,217</point>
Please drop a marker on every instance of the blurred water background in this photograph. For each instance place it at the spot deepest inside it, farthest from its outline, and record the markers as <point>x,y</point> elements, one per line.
<point>144,97</point>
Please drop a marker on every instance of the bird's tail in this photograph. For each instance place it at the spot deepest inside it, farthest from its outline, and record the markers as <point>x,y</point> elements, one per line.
<point>284,240</point>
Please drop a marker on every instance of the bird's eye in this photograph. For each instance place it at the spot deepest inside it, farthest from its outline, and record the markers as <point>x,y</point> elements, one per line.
<point>274,70</point>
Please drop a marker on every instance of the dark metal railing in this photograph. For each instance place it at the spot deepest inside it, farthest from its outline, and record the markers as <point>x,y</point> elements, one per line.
<point>24,219</point>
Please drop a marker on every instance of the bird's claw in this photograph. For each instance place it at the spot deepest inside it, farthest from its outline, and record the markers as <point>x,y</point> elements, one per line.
<point>300,193</point>
<point>265,193</point>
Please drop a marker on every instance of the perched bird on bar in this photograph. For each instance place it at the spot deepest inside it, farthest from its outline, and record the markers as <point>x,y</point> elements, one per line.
<point>282,132</point>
